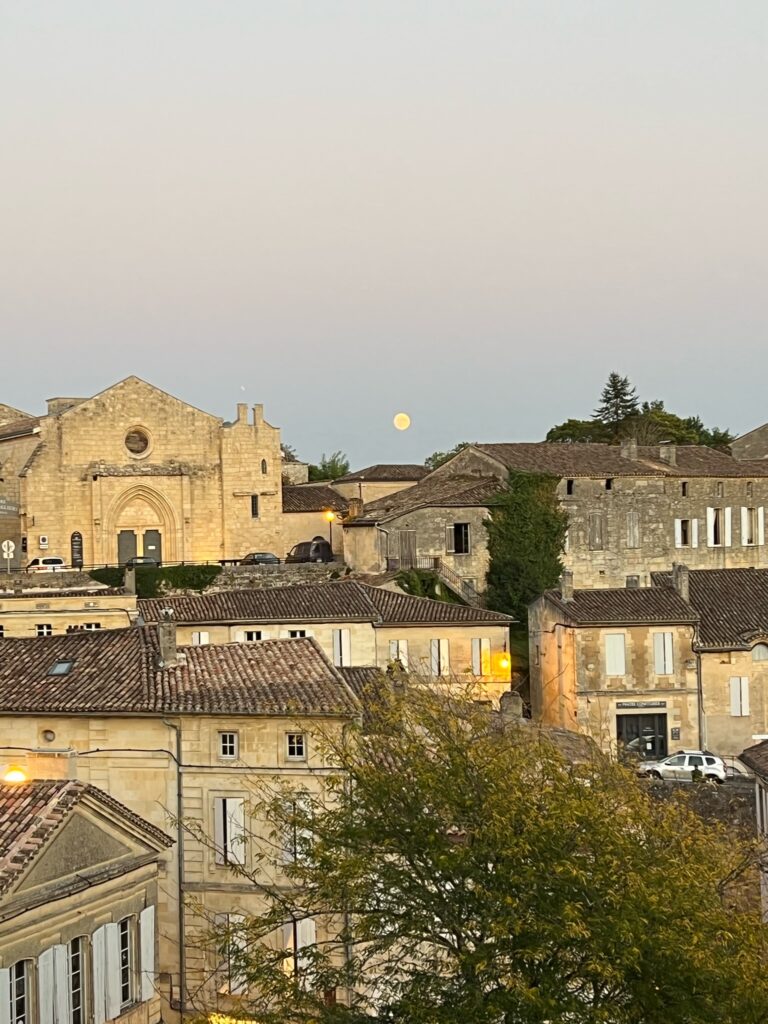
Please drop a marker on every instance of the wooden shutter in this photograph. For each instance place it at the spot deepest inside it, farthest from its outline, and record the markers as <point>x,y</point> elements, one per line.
<point>445,658</point>
<point>45,986</point>
<point>5,995</point>
<point>662,653</point>
<point>477,657</point>
<point>112,970</point>
<point>450,540</point>
<point>61,1007</point>
<point>735,686</point>
<point>678,533</point>
<point>147,952</point>
<point>744,526</point>
<point>744,688</point>
<point>615,661</point>
<point>727,515</point>
<point>218,829</point>
<point>761,525</point>
<point>337,655</point>
<point>434,652</point>
<point>306,935</point>
<point>394,650</point>
<point>235,812</point>
<point>710,527</point>
<point>98,969</point>
<point>694,533</point>
<point>342,648</point>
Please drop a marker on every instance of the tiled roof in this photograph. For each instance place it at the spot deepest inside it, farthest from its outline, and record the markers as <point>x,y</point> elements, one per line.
<point>732,605</point>
<point>30,812</point>
<point>627,606</point>
<point>756,758</point>
<point>342,601</point>
<point>116,671</point>
<point>19,428</point>
<point>386,473</point>
<point>606,460</point>
<point>312,498</point>
<point>443,490</point>
<point>369,685</point>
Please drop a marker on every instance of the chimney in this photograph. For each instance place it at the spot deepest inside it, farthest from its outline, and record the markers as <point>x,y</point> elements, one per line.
<point>56,406</point>
<point>668,453</point>
<point>354,508</point>
<point>166,632</point>
<point>566,585</point>
<point>633,582</point>
<point>258,416</point>
<point>629,449</point>
<point>510,707</point>
<point>242,412</point>
<point>129,580</point>
<point>681,580</point>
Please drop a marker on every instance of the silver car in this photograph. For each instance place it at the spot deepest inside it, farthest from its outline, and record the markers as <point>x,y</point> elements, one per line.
<point>681,766</point>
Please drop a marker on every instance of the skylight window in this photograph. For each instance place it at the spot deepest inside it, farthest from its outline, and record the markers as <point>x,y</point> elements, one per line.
<point>61,668</point>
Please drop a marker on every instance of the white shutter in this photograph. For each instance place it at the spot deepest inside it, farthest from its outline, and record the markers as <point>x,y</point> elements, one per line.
<point>218,829</point>
<point>337,655</point>
<point>727,512</point>
<point>658,653</point>
<point>744,696</point>
<point>45,986</point>
<point>445,659</point>
<point>485,656</point>
<point>477,658</point>
<point>5,996</point>
<point>147,951</point>
<point>744,526</point>
<point>450,543</point>
<point>112,971</point>
<point>239,636</point>
<point>615,661</point>
<point>346,647</point>
<point>694,533</point>
<point>394,650</point>
<point>710,527</point>
<point>678,533</point>
<point>761,525</point>
<point>235,810</point>
<point>98,968</point>
<point>668,657</point>
<point>61,1013</point>
<point>735,685</point>
<point>434,653</point>
<point>306,935</point>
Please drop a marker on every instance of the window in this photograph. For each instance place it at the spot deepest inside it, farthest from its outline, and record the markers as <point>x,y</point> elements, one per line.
<point>662,654</point>
<point>21,1009</point>
<point>137,441</point>
<point>342,648</point>
<point>295,746</point>
<point>229,829</point>
<point>44,629</point>
<point>298,935</point>
<point>633,529</point>
<point>76,981</point>
<point>609,484</point>
<point>264,466</point>
<point>232,980</point>
<point>684,488</point>
<point>596,532</point>
<point>750,489</point>
<point>718,490</point>
<point>254,506</point>
<point>2,632</point>
<point>739,686</point>
<point>296,634</point>
<point>125,950</point>
<point>439,657</point>
<point>719,527</point>
<point>481,656</point>
<point>201,637</point>
<point>251,635</point>
<point>398,651</point>
<point>569,486</point>
<point>92,625</point>
<point>615,654</point>
<point>760,652</point>
<point>228,745</point>
<point>695,761</point>
<point>60,668</point>
<point>686,533</point>
<point>749,526</point>
<point>457,539</point>
<point>677,762</point>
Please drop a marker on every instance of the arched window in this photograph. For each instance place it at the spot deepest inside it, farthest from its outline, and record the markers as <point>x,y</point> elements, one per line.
<point>760,652</point>
<point>263,465</point>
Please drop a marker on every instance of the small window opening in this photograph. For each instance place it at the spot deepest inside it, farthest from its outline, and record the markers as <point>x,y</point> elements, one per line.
<point>61,668</point>
<point>295,746</point>
<point>609,484</point>
<point>569,486</point>
<point>684,488</point>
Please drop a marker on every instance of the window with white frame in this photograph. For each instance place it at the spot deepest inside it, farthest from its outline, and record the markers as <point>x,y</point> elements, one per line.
<point>686,533</point>
<point>662,654</point>
<point>752,526</point>
<point>439,657</point>
<point>92,625</point>
<point>760,652</point>
<point>125,940</point>
<point>297,936</point>
<point>295,746</point>
<point>457,539</point>
<point>76,981</point>
<point>342,648</point>
<point>200,637</point>
<point>228,745</point>
<point>16,993</point>
<point>481,656</point>
<point>251,635</point>
<point>719,527</point>
<point>229,829</point>
<point>398,651</point>
<point>296,634</point>
<point>121,970</point>
<point>44,629</point>
<point>615,654</point>
<point>739,687</point>
<point>2,631</point>
<point>230,970</point>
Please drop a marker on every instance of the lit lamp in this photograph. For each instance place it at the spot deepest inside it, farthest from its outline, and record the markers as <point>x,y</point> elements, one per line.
<point>15,774</point>
<point>330,516</point>
<point>504,662</point>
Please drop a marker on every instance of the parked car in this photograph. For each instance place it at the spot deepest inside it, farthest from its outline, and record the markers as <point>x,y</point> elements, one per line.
<point>315,550</point>
<point>260,558</point>
<point>50,563</point>
<point>145,560</point>
<point>681,766</point>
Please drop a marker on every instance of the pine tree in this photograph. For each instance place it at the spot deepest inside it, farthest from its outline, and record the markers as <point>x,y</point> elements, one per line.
<point>618,400</point>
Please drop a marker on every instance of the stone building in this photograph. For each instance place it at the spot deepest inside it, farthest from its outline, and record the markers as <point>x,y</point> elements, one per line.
<point>79,881</point>
<point>135,471</point>
<point>182,733</point>
<point>49,613</point>
<point>631,510</point>
<point>378,481</point>
<point>306,514</point>
<point>752,445</point>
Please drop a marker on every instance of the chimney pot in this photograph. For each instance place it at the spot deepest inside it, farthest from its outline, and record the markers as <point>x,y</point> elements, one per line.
<point>566,585</point>
<point>242,412</point>
<point>681,580</point>
<point>129,579</point>
<point>166,631</point>
<point>629,449</point>
<point>668,453</point>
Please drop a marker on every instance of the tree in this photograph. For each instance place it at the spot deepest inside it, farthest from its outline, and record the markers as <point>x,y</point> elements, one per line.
<point>618,400</point>
<point>288,452</point>
<point>579,430</point>
<point>331,467</point>
<point>526,538</point>
<point>438,458</point>
<point>459,873</point>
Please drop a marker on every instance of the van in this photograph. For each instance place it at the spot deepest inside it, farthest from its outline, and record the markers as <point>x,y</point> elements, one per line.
<point>51,563</point>
<point>315,550</point>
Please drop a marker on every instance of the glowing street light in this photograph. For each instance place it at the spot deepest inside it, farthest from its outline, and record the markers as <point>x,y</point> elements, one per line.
<point>330,516</point>
<point>15,774</point>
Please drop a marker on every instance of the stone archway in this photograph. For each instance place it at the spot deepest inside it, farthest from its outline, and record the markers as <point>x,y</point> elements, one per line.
<point>142,522</point>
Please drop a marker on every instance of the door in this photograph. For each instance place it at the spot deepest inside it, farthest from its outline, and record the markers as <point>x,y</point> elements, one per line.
<point>643,736</point>
<point>153,545</point>
<point>126,546</point>
<point>407,549</point>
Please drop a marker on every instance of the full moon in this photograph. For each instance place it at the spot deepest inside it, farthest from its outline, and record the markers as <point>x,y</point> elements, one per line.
<point>402,421</point>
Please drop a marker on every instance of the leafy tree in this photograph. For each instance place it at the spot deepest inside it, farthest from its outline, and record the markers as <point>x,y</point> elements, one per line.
<point>618,400</point>
<point>526,537</point>
<point>460,873</point>
<point>579,430</point>
<point>288,452</point>
<point>331,467</point>
<point>438,458</point>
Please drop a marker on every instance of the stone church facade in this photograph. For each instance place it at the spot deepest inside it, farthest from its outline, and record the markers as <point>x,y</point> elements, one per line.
<point>134,471</point>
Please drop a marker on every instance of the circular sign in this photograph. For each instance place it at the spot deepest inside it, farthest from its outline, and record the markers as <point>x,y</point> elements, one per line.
<point>7,547</point>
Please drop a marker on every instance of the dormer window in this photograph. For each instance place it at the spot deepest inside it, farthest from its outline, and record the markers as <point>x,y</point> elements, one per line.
<point>61,668</point>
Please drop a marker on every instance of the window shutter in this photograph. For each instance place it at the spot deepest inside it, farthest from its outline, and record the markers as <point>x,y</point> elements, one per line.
<point>694,533</point>
<point>237,982</point>
<point>445,658</point>
<point>710,527</point>
<point>337,655</point>
<point>744,526</point>
<point>450,544</point>
<point>235,830</point>
<point>5,996</point>
<point>761,525</point>
<point>727,514</point>
<point>98,967</point>
<point>678,533</point>
<point>306,935</point>
<point>477,668</point>
<point>147,949</point>
<point>669,663</point>
<point>735,684</point>
<point>45,986</point>
<point>615,661</point>
<point>434,651</point>
<point>112,970</point>
<point>218,829</point>
<point>61,1012</point>
<point>346,647</point>
<point>744,696</point>
<point>394,651</point>
<point>485,656</point>
<point>658,653</point>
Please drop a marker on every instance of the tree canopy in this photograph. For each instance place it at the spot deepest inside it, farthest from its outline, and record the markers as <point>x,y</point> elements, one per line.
<point>438,458</point>
<point>458,872</point>
<point>618,401</point>
<point>331,467</point>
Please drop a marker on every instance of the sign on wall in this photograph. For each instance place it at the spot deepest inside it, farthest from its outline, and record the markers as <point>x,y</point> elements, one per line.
<point>641,703</point>
<point>76,545</point>
<point>8,507</point>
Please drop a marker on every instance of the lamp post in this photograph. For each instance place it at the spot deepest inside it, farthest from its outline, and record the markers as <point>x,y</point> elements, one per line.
<point>330,516</point>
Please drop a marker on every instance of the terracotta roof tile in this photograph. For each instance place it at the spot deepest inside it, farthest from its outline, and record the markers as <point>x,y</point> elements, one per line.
<point>732,605</point>
<point>384,473</point>
<point>19,428</point>
<point>625,605</point>
<point>434,491</point>
<point>312,498</point>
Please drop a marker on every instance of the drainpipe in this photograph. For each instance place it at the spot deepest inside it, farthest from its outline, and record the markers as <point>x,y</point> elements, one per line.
<point>700,701</point>
<point>180,861</point>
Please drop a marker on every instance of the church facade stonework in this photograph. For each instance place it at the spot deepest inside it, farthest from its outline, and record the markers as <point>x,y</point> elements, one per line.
<point>134,471</point>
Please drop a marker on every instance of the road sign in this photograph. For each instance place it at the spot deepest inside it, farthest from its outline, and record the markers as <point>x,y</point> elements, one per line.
<point>8,547</point>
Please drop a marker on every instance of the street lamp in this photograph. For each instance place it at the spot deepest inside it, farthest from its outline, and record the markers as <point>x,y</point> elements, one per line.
<point>330,516</point>
<point>15,774</point>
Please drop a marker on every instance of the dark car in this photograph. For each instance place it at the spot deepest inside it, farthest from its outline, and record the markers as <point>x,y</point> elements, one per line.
<point>143,560</point>
<point>315,550</point>
<point>260,558</point>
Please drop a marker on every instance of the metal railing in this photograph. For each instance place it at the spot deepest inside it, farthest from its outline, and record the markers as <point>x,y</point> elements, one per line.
<point>433,563</point>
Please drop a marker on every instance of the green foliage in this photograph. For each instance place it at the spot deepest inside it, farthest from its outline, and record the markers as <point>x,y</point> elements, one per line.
<point>458,874</point>
<point>579,430</point>
<point>331,467</point>
<point>288,452</point>
<point>526,537</point>
<point>422,583</point>
<point>438,458</point>
<point>618,400</point>
<point>152,582</point>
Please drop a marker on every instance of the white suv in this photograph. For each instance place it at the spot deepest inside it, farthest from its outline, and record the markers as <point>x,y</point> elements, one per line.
<point>51,563</point>
<point>682,765</point>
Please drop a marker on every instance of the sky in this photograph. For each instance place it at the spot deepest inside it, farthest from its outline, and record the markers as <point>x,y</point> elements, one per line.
<point>469,210</point>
